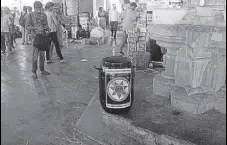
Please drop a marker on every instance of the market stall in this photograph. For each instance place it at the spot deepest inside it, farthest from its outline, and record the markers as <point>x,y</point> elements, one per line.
<point>137,39</point>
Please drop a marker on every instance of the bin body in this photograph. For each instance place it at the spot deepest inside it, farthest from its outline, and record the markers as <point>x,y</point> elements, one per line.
<point>116,84</point>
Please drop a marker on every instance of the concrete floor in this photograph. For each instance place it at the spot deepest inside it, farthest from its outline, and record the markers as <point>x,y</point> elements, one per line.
<point>44,111</point>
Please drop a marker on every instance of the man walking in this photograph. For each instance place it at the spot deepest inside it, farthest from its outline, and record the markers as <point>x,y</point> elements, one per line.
<point>113,17</point>
<point>129,19</point>
<point>53,24</point>
<point>37,23</point>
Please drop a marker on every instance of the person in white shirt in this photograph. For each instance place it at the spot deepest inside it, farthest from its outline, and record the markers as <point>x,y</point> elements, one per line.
<point>53,26</point>
<point>113,17</point>
<point>5,28</point>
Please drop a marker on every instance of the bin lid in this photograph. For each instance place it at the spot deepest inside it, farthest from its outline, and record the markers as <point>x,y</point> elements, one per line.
<point>117,62</point>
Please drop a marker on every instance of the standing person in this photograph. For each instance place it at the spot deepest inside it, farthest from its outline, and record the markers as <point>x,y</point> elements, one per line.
<point>22,22</point>
<point>53,24</point>
<point>114,15</point>
<point>60,30</point>
<point>12,29</point>
<point>29,8</point>
<point>129,18</point>
<point>102,18</point>
<point>3,45</point>
<point>14,24</point>
<point>27,31</point>
<point>107,18</point>
<point>37,23</point>
<point>5,26</point>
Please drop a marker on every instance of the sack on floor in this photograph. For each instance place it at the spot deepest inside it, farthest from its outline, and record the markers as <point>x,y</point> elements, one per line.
<point>97,33</point>
<point>97,36</point>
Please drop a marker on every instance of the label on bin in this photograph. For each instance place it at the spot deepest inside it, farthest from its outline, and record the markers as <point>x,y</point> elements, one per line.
<point>118,88</point>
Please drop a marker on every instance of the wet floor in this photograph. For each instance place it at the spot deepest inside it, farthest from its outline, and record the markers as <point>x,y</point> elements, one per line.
<point>45,111</point>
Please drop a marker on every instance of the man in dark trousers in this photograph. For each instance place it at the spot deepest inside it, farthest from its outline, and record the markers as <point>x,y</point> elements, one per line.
<point>113,17</point>
<point>54,27</point>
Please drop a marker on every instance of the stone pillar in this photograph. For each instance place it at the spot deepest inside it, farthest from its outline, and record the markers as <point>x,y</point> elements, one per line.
<point>172,38</point>
<point>169,57</point>
<point>220,102</point>
<point>200,70</point>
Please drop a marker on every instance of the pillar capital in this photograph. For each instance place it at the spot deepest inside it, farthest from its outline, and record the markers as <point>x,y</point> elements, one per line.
<point>171,37</point>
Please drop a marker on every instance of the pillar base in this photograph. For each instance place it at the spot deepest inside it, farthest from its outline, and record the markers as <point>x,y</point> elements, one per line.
<point>220,104</point>
<point>162,86</point>
<point>194,104</point>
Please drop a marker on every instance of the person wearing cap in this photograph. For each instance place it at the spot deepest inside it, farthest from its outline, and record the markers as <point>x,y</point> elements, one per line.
<point>53,24</point>
<point>37,23</point>
<point>129,19</point>
<point>5,28</point>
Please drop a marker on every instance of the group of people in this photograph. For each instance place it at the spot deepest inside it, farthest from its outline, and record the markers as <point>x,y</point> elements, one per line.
<point>128,17</point>
<point>111,17</point>
<point>42,19</point>
<point>40,22</point>
<point>35,22</point>
<point>26,34</point>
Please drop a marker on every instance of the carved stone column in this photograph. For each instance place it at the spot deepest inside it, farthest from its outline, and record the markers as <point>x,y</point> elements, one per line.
<point>201,70</point>
<point>172,38</point>
<point>169,57</point>
<point>220,102</point>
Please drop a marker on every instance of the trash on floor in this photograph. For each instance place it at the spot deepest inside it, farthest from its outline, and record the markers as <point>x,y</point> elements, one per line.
<point>83,60</point>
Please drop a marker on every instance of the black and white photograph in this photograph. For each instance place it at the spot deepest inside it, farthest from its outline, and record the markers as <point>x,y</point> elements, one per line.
<point>113,72</point>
